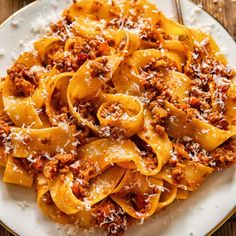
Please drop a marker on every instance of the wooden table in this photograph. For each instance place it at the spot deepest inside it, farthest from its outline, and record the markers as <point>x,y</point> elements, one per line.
<point>223,10</point>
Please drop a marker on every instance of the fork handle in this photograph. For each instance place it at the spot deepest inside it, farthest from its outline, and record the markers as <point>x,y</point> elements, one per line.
<point>179,11</point>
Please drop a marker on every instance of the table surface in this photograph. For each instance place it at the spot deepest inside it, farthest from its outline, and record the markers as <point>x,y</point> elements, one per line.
<point>223,10</point>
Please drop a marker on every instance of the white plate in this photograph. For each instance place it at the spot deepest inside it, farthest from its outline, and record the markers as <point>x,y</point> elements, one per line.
<point>195,216</point>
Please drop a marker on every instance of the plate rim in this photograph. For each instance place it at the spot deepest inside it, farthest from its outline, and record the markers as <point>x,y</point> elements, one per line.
<point>209,14</point>
<point>229,214</point>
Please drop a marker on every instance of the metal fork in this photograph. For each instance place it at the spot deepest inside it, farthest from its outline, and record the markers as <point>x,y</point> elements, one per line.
<point>179,11</point>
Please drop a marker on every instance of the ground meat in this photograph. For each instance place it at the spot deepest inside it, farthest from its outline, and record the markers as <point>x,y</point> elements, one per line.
<point>32,165</point>
<point>58,165</point>
<point>82,136</point>
<point>83,171</point>
<point>42,163</point>
<point>201,101</point>
<point>64,158</point>
<point>139,200</point>
<point>110,217</point>
<point>177,174</point>
<point>116,133</point>
<point>186,149</point>
<point>88,110</point>
<point>38,163</point>
<point>75,57</point>
<point>194,101</point>
<point>70,62</point>
<point>149,159</point>
<point>4,130</point>
<point>61,109</point>
<point>114,110</point>
<point>62,29</point>
<point>79,52</point>
<point>159,115</point>
<point>23,87</point>
<point>99,69</point>
<point>157,91</point>
<point>80,187</point>
<point>210,83</point>
<point>4,118</point>
<point>177,154</point>
<point>154,83</point>
<point>64,170</point>
<point>225,155</point>
<point>25,82</point>
<point>190,113</point>
<point>160,130</point>
<point>99,47</point>
<point>199,98</point>
<point>149,34</point>
<point>51,169</point>
<point>56,51</point>
<point>218,120</point>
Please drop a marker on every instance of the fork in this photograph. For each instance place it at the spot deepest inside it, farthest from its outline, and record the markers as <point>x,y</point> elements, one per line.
<point>179,11</point>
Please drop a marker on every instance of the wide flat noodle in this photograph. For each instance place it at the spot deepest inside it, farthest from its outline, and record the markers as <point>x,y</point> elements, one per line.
<point>160,145</point>
<point>104,152</point>
<point>30,142</point>
<point>84,85</point>
<point>63,197</point>
<point>14,174</point>
<point>191,174</point>
<point>44,45</point>
<point>208,136</point>
<point>100,8</point>
<point>138,184</point>
<point>132,119</point>
<point>168,195</point>
<point>60,83</point>
<point>20,108</point>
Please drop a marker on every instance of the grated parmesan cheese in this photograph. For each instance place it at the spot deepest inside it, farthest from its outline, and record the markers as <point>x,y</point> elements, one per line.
<point>41,25</point>
<point>37,68</point>
<point>30,159</point>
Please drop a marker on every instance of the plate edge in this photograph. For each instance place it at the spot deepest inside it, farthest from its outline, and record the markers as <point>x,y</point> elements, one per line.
<point>18,11</point>
<point>8,229</point>
<point>233,211</point>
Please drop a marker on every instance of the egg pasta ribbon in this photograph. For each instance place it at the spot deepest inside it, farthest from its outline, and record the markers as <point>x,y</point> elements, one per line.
<point>207,135</point>
<point>130,108</point>
<point>65,200</point>
<point>49,141</point>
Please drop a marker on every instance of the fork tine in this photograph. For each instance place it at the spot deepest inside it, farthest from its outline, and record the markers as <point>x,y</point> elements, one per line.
<point>179,11</point>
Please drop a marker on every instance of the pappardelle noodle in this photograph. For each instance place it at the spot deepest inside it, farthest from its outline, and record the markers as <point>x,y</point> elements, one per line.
<point>117,112</point>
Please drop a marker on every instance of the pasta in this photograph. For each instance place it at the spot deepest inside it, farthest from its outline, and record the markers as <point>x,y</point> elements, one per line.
<point>118,112</point>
